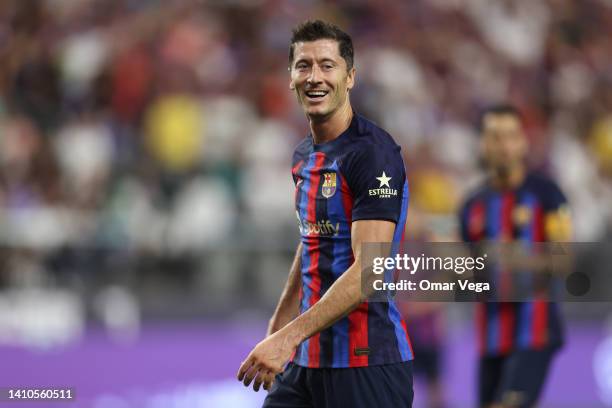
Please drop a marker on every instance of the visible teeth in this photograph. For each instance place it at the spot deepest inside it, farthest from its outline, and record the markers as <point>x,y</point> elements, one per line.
<point>316,93</point>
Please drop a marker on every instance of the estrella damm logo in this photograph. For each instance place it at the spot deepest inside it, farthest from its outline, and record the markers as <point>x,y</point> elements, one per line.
<point>329,185</point>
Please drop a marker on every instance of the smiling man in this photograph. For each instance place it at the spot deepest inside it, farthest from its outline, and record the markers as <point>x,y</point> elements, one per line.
<point>327,346</point>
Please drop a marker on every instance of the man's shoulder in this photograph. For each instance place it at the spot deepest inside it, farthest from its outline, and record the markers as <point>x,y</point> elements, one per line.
<point>302,150</point>
<point>369,142</point>
<point>369,134</point>
<point>541,182</point>
<point>544,187</point>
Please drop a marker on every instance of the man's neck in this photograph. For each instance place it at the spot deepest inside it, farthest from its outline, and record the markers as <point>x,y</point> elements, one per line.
<point>327,129</point>
<point>509,178</point>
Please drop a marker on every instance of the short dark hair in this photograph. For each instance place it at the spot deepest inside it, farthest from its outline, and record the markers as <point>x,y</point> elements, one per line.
<point>500,109</point>
<point>313,30</point>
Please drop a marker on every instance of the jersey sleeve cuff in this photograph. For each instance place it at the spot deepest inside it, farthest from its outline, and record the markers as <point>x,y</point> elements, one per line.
<point>375,216</point>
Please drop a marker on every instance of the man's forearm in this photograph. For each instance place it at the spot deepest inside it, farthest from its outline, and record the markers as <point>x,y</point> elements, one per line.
<point>341,298</point>
<point>288,305</point>
<point>345,294</point>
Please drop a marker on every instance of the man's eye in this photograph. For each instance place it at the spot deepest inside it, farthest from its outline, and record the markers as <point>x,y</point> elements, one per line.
<point>328,66</point>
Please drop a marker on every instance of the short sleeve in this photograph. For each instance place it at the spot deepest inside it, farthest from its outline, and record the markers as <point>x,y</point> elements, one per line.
<point>296,164</point>
<point>297,161</point>
<point>376,178</point>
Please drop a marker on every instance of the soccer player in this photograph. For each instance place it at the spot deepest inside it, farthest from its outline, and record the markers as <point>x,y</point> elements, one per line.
<point>350,188</point>
<point>517,340</point>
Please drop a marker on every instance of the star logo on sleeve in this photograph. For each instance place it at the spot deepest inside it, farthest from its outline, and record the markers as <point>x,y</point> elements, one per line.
<point>384,180</point>
<point>384,190</point>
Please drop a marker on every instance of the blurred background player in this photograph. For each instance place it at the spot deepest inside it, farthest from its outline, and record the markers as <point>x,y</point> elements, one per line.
<point>517,340</point>
<point>350,189</point>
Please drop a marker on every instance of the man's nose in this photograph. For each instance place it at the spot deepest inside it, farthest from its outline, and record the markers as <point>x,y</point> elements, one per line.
<point>315,75</point>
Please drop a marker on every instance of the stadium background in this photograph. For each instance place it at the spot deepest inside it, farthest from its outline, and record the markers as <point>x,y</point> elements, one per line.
<point>146,222</point>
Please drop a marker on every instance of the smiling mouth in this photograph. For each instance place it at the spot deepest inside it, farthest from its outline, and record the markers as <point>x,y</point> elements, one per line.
<point>316,96</point>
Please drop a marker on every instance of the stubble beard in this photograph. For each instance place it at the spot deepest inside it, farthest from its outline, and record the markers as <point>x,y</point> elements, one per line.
<point>320,117</point>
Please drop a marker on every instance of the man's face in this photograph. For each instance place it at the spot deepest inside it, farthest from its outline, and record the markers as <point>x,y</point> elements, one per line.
<point>504,144</point>
<point>320,77</point>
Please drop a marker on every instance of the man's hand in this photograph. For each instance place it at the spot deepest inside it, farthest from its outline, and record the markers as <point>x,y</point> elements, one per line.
<point>267,359</point>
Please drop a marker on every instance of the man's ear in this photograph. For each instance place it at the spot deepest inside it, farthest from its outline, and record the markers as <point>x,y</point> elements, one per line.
<point>291,83</point>
<point>350,79</point>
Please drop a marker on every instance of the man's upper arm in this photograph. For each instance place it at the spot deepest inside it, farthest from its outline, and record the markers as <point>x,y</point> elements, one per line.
<point>370,231</point>
<point>376,178</point>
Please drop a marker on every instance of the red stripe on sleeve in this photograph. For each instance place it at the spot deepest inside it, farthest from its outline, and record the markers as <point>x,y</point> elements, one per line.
<point>407,336</point>
<point>295,168</point>
<point>314,346</point>
<point>295,174</point>
<point>358,335</point>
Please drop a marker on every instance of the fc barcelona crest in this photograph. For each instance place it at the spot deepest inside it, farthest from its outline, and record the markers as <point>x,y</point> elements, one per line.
<point>329,185</point>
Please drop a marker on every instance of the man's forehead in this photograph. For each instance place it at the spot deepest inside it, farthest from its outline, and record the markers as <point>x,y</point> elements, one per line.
<point>318,48</point>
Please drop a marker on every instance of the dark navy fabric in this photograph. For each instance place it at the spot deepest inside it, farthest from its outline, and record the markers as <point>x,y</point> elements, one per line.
<point>381,386</point>
<point>515,380</point>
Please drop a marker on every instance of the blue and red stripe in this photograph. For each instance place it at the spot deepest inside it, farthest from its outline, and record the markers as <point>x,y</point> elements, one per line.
<point>493,229</point>
<point>540,307</point>
<point>506,309</point>
<point>308,353</point>
<point>531,324</point>
<point>341,206</point>
<point>526,235</point>
<point>475,231</point>
<point>314,346</point>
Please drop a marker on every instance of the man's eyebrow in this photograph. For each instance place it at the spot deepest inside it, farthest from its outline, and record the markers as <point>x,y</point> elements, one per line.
<point>301,59</point>
<point>327,59</point>
<point>309,60</point>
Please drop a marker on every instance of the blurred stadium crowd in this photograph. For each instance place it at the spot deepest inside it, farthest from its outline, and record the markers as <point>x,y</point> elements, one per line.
<point>148,143</point>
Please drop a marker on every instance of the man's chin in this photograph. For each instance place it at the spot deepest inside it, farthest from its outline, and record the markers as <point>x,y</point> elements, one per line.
<point>317,114</point>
